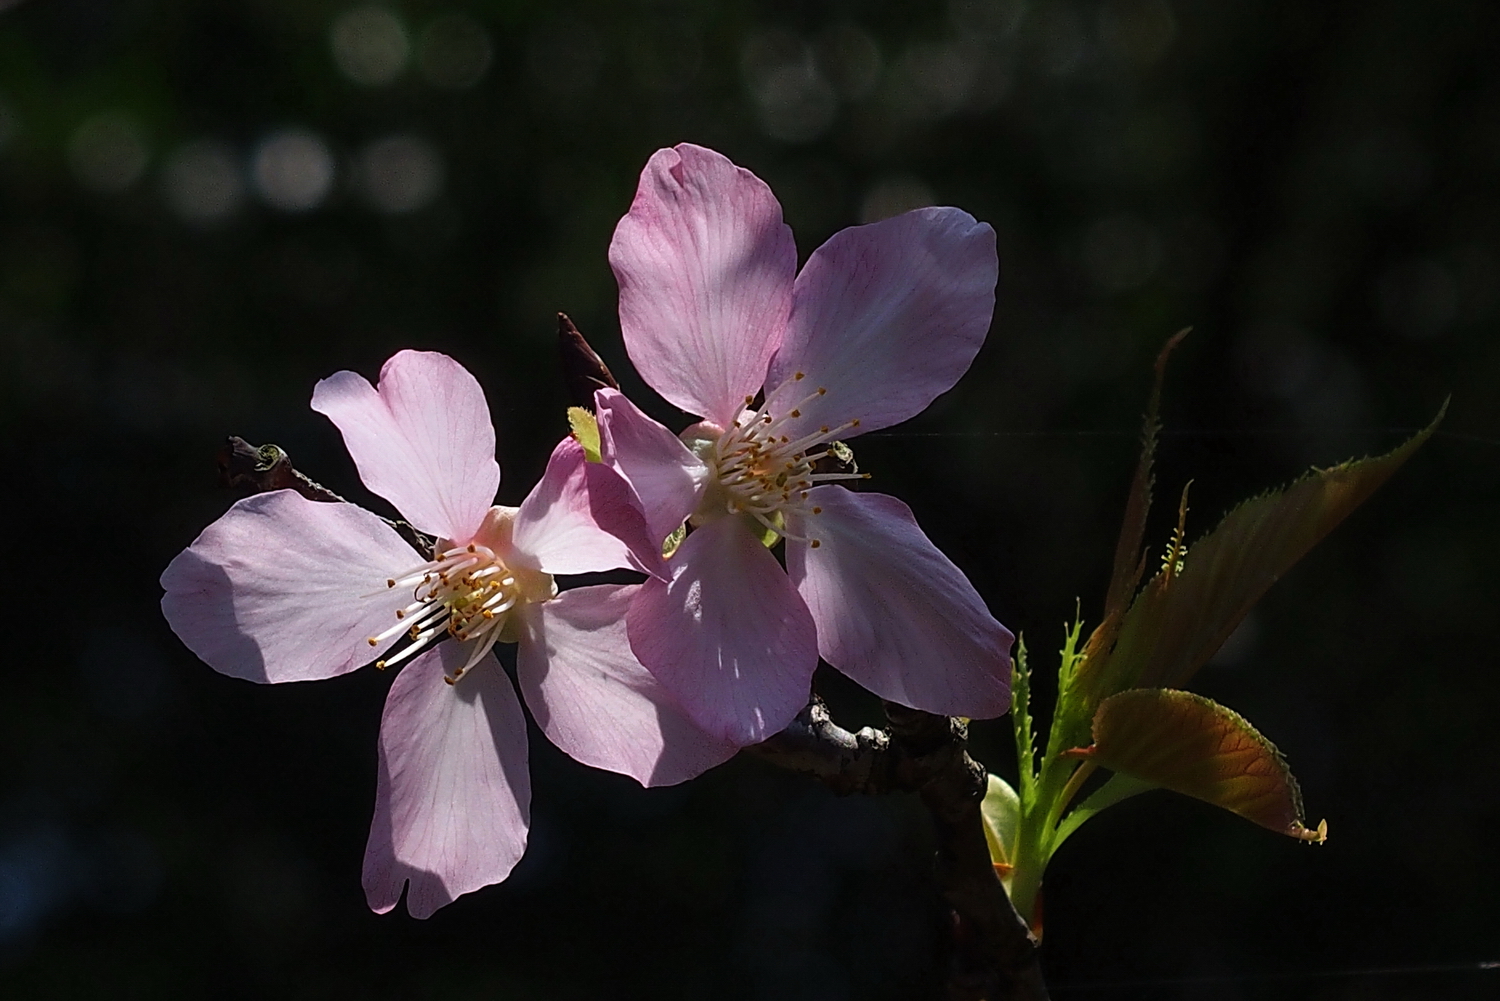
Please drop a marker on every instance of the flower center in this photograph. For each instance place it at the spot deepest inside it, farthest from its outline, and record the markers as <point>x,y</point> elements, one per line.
<point>763,472</point>
<point>467,593</point>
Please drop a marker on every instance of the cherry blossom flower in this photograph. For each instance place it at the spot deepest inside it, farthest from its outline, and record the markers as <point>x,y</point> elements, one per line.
<point>282,588</point>
<point>881,320</point>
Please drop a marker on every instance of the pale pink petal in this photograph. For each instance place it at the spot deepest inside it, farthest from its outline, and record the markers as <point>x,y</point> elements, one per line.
<point>886,317</point>
<point>422,439</point>
<point>893,612</point>
<point>582,517</point>
<point>727,635</point>
<point>666,477</point>
<point>282,588</point>
<point>453,797</point>
<point>705,267</point>
<point>594,700</point>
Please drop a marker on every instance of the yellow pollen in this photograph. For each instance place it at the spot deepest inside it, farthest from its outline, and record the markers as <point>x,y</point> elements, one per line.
<point>380,665</point>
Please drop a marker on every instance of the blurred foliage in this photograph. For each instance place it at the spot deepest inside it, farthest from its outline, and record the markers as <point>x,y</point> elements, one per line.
<point>204,208</point>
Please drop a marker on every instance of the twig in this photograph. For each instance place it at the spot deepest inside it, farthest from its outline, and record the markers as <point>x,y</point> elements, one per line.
<point>268,467</point>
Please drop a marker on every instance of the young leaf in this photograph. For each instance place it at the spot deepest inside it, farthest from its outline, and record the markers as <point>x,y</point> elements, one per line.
<point>1194,746</point>
<point>1001,810</point>
<point>1182,617</point>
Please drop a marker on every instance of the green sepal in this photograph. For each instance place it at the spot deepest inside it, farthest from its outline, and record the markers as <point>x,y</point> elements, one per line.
<point>585,432</point>
<point>670,544</point>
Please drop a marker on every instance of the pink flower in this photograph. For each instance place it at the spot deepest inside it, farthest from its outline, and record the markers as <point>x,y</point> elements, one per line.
<point>881,320</point>
<point>285,589</point>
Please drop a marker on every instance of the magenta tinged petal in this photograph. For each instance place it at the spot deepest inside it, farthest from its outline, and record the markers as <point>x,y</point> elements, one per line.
<point>594,700</point>
<point>705,267</point>
<point>886,317</point>
<point>453,798</point>
<point>666,477</point>
<point>727,635</point>
<point>422,439</point>
<point>893,612</point>
<point>282,588</point>
<point>582,517</point>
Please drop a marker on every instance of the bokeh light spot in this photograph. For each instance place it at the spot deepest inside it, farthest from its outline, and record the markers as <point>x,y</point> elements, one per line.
<point>400,173</point>
<point>369,45</point>
<point>894,195</point>
<point>108,152</point>
<point>850,58</point>
<point>293,170</point>
<point>203,181</point>
<point>454,52</point>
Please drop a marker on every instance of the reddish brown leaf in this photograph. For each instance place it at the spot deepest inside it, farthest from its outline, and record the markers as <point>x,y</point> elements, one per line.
<point>1194,746</point>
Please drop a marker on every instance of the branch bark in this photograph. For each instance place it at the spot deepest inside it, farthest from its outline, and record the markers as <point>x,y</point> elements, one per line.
<point>992,956</point>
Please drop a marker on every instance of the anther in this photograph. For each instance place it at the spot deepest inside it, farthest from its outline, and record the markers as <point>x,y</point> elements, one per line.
<point>816,510</point>
<point>815,544</point>
<point>447,679</point>
<point>795,413</point>
<point>389,582</point>
<point>800,376</point>
<point>400,613</point>
<point>373,641</point>
<point>822,390</point>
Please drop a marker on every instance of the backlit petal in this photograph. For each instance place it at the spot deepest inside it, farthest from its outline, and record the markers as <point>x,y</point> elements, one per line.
<point>282,588</point>
<point>886,317</point>
<point>453,797</point>
<point>422,439</point>
<point>893,612</point>
<point>581,517</point>
<point>594,700</point>
<point>666,477</point>
<point>727,635</point>
<point>705,266</point>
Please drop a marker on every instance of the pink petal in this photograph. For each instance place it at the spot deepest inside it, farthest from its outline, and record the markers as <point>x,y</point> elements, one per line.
<point>705,268</point>
<point>422,440</point>
<point>666,477</point>
<point>453,799</point>
<point>594,700</point>
<point>282,588</point>
<point>727,635</point>
<point>582,517</point>
<point>886,317</point>
<point>893,612</point>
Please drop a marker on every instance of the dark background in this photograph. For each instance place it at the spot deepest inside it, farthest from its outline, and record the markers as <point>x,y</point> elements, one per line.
<point>206,207</point>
